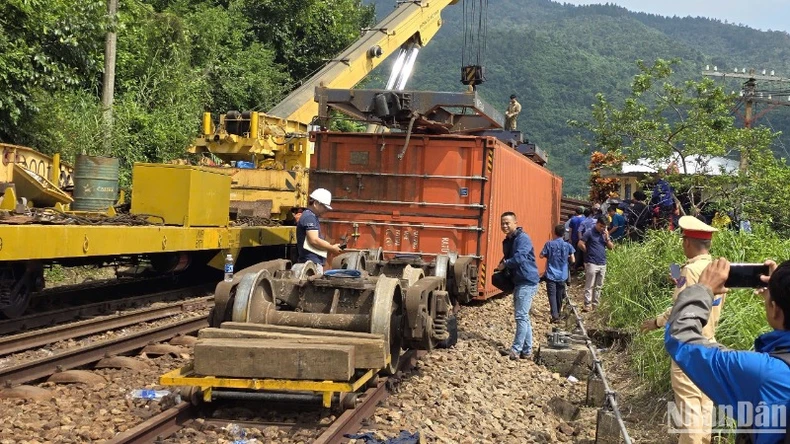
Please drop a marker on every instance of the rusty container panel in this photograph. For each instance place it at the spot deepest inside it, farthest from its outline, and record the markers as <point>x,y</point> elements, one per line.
<point>444,194</point>
<point>529,190</point>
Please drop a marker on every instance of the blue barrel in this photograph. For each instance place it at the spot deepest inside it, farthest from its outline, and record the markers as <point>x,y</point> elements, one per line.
<point>95,183</point>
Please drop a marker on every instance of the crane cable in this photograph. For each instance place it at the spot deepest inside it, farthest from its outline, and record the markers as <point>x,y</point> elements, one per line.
<point>475,23</point>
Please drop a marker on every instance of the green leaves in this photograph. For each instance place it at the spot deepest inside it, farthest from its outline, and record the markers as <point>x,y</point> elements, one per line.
<point>175,59</point>
<point>690,123</point>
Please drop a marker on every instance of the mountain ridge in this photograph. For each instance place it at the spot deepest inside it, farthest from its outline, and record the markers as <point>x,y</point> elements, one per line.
<point>556,57</point>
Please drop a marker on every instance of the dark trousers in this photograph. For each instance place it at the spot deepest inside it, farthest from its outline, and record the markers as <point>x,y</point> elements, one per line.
<point>556,292</point>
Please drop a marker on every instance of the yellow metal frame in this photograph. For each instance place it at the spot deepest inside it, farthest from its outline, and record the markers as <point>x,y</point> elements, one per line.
<point>185,377</point>
<point>37,242</point>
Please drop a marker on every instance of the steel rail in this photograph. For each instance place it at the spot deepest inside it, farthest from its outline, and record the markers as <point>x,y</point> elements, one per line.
<point>350,420</point>
<point>611,395</point>
<point>170,421</point>
<point>97,308</point>
<point>76,357</point>
<point>25,341</point>
<point>158,427</point>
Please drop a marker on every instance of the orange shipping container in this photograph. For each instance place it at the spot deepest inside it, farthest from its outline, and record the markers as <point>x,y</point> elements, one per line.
<point>440,194</point>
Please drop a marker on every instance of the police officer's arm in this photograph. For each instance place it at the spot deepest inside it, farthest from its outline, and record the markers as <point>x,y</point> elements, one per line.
<point>726,376</point>
<point>572,253</point>
<point>315,241</point>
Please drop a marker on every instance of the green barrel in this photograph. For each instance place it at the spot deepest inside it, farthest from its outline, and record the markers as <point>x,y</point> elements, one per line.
<point>95,183</point>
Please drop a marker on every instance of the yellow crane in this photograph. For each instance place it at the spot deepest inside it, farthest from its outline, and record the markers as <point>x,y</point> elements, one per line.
<point>276,143</point>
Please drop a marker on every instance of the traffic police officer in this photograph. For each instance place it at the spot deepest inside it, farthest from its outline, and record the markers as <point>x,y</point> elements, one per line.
<point>694,407</point>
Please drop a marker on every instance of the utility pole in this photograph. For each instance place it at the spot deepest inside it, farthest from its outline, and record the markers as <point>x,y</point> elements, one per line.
<point>108,79</point>
<point>750,97</point>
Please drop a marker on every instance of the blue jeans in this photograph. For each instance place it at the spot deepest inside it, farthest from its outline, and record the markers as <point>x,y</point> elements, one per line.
<point>522,300</point>
<point>556,291</point>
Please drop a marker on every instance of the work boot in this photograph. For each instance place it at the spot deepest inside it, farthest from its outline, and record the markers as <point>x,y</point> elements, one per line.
<point>586,308</point>
<point>525,356</point>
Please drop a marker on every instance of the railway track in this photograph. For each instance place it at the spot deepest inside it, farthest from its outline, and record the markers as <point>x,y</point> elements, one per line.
<point>185,415</point>
<point>72,358</point>
<point>25,341</point>
<point>122,296</point>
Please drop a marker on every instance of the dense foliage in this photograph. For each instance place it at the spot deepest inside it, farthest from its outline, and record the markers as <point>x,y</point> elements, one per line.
<point>176,58</point>
<point>637,287</point>
<point>179,57</point>
<point>689,123</point>
<point>557,57</point>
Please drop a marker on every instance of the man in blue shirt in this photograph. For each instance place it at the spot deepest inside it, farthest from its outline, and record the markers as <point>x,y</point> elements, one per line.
<point>753,387</point>
<point>520,261</point>
<point>309,243</point>
<point>616,224</point>
<point>557,252</point>
<point>663,198</point>
<point>573,225</point>
<point>594,244</point>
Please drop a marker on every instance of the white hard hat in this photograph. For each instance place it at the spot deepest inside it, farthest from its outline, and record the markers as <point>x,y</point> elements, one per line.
<point>322,196</point>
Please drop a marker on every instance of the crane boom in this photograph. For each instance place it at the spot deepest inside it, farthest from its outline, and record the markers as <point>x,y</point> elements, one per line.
<point>415,22</point>
<point>276,144</point>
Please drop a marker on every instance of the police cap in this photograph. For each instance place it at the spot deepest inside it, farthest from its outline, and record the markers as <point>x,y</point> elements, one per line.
<point>695,228</point>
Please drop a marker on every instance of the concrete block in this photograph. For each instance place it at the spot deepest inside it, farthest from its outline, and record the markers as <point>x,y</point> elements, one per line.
<point>263,358</point>
<point>575,360</point>
<point>564,409</point>
<point>596,394</point>
<point>607,431</point>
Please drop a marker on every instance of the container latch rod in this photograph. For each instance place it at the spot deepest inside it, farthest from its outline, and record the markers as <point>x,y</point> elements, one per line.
<point>408,137</point>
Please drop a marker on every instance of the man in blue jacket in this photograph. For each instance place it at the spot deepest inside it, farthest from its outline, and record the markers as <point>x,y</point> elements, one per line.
<point>752,387</point>
<point>520,261</point>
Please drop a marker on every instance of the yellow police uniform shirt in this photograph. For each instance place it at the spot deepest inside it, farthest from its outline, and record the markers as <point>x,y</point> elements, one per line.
<point>689,275</point>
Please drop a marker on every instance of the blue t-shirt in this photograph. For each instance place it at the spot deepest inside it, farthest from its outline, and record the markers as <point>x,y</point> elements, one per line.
<point>573,224</point>
<point>587,224</point>
<point>307,222</point>
<point>618,220</point>
<point>596,247</point>
<point>557,252</point>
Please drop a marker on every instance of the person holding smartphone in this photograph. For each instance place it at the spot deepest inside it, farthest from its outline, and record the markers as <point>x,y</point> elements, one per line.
<point>751,386</point>
<point>689,399</point>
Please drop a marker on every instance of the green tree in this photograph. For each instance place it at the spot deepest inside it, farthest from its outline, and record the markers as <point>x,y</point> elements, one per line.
<point>685,125</point>
<point>47,45</point>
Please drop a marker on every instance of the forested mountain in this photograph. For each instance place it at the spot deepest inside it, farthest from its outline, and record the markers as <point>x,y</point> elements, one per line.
<point>178,58</point>
<point>556,57</point>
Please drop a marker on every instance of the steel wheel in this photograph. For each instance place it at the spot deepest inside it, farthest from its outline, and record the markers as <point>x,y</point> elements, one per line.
<point>386,318</point>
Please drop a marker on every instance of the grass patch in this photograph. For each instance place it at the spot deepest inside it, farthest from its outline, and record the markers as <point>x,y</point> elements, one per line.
<point>637,287</point>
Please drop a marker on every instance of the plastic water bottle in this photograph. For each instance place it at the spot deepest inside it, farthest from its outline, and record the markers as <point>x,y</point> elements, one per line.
<point>148,394</point>
<point>228,267</point>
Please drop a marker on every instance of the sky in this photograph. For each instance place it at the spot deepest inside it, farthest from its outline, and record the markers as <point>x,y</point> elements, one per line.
<point>762,14</point>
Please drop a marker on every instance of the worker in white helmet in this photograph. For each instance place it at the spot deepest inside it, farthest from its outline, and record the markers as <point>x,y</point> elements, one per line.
<point>309,243</point>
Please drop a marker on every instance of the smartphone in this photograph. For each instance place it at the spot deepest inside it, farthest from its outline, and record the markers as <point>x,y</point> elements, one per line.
<point>746,276</point>
<point>674,271</point>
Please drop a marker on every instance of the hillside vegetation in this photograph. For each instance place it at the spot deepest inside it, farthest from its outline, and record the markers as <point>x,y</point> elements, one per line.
<point>178,58</point>
<point>556,57</point>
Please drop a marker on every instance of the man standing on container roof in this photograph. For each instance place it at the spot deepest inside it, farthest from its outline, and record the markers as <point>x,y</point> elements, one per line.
<point>520,261</point>
<point>309,243</point>
<point>511,115</point>
<point>696,408</point>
